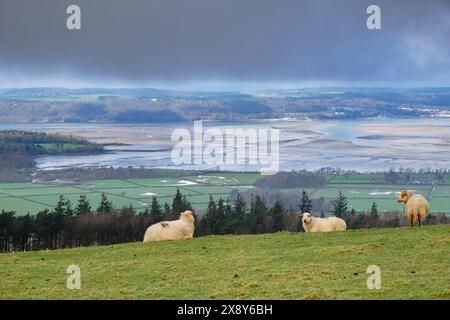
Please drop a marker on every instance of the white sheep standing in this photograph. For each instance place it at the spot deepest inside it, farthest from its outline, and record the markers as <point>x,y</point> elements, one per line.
<point>180,229</point>
<point>416,206</point>
<point>314,224</point>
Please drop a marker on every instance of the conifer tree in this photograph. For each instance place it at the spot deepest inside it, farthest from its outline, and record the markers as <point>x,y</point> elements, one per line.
<point>305,203</point>
<point>83,206</point>
<point>340,206</point>
<point>156,212</point>
<point>277,212</point>
<point>105,206</point>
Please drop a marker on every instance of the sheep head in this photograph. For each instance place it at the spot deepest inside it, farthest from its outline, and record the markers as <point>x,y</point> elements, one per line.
<point>307,218</point>
<point>404,196</point>
<point>187,215</point>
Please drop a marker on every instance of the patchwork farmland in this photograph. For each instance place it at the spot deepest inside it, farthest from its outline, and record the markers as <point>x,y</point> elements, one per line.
<point>32,197</point>
<point>360,189</point>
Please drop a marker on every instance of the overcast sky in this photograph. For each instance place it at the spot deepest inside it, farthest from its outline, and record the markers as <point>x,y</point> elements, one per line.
<point>207,43</point>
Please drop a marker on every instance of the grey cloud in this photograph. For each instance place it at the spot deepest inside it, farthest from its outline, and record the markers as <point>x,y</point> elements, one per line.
<point>151,41</point>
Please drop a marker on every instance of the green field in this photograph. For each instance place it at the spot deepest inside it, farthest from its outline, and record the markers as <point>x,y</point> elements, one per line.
<point>32,197</point>
<point>361,190</point>
<point>414,264</point>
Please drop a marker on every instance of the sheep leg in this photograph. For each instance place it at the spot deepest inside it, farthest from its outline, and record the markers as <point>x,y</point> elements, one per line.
<point>410,222</point>
<point>420,223</point>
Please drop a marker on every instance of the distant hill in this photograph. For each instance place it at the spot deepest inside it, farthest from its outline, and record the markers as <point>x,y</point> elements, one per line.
<point>157,105</point>
<point>413,264</point>
<point>17,149</point>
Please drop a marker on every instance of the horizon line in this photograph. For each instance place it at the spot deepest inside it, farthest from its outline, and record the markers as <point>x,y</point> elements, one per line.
<point>231,88</point>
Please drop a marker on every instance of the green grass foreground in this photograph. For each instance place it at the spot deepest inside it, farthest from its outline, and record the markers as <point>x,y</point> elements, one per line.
<point>415,264</point>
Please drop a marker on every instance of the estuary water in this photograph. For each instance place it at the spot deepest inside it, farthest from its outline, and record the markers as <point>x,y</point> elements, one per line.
<point>360,145</point>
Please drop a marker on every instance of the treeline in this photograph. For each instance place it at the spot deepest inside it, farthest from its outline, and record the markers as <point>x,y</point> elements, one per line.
<point>223,217</point>
<point>66,226</point>
<point>407,177</point>
<point>292,180</point>
<point>32,138</point>
<point>28,144</point>
<point>372,218</point>
<point>145,116</point>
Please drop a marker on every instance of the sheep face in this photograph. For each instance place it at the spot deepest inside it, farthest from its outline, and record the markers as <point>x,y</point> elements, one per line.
<point>187,215</point>
<point>404,196</point>
<point>307,218</point>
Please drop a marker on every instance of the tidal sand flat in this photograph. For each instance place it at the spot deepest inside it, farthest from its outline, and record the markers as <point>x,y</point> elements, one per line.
<point>361,145</point>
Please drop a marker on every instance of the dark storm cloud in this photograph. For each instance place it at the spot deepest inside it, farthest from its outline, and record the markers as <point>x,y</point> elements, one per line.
<point>157,41</point>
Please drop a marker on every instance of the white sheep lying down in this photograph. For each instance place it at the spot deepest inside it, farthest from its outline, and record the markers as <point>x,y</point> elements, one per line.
<point>180,229</point>
<point>314,224</point>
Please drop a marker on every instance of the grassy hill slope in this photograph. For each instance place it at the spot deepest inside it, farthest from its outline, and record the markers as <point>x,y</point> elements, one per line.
<point>415,264</point>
